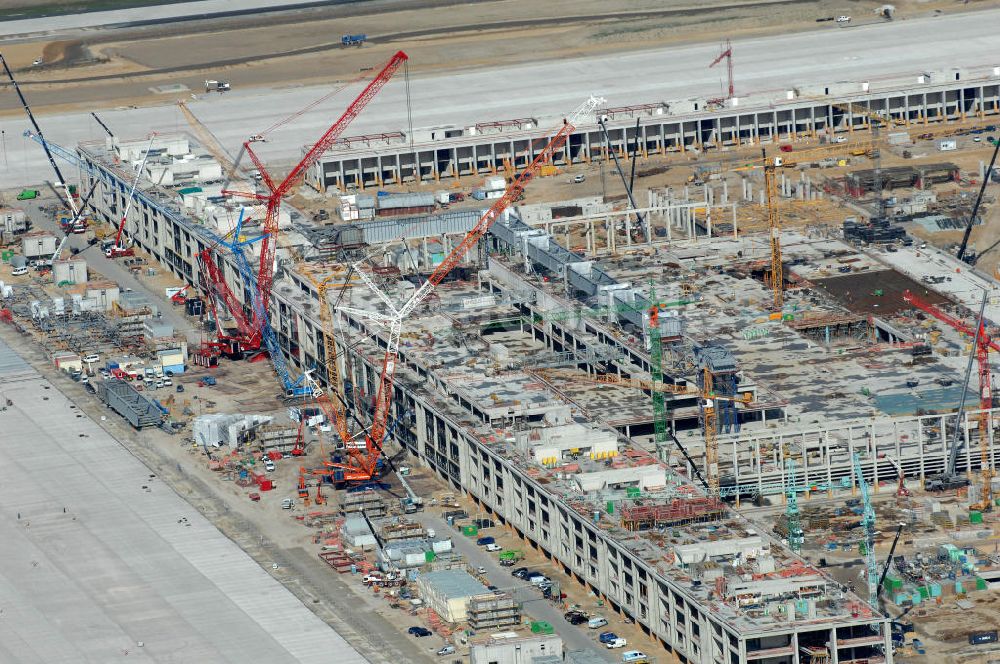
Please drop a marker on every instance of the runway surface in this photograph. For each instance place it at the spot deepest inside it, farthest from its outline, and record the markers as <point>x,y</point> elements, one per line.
<point>101,560</point>
<point>549,90</point>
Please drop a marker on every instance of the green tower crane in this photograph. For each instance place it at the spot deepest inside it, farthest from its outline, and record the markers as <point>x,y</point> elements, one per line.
<point>796,536</point>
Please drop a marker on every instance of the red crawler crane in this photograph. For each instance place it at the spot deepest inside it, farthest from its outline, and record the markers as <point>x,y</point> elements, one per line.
<point>249,326</point>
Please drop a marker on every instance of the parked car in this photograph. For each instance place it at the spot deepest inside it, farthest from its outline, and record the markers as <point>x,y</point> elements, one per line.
<point>843,19</point>
<point>616,643</point>
<point>635,657</point>
<point>480,570</point>
<point>483,541</point>
<point>447,650</point>
<point>494,547</point>
<point>575,617</point>
<point>419,631</point>
<point>579,178</point>
<point>604,637</point>
<point>93,357</point>
<point>268,465</point>
<point>597,622</point>
<point>520,572</point>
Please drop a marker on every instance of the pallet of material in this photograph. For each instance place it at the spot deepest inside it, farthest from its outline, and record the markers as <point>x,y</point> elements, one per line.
<point>338,560</point>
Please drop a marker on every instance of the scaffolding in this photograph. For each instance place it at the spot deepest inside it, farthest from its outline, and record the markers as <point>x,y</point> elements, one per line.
<point>493,612</point>
<point>677,512</point>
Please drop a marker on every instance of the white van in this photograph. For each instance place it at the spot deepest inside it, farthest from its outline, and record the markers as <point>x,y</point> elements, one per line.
<point>18,271</point>
<point>635,657</point>
<point>615,643</point>
<point>597,622</point>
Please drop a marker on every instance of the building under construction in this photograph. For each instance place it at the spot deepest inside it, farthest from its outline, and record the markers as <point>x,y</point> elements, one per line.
<point>516,386</point>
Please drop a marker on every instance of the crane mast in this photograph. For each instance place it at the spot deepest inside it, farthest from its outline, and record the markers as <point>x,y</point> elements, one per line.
<point>774,229</point>
<point>868,527</point>
<point>982,343</point>
<point>394,320</point>
<point>119,248</point>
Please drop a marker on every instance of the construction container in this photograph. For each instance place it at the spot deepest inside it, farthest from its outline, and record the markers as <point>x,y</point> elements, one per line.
<point>924,591</point>
<point>470,531</point>
<point>980,583</point>
<point>6,255</point>
<point>611,507</point>
<point>541,627</point>
<point>935,589</point>
<point>975,517</point>
<point>632,492</point>
<point>893,583</point>
<point>429,556</point>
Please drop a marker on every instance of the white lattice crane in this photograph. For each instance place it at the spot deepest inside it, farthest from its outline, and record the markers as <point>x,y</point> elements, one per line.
<point>392,316</point>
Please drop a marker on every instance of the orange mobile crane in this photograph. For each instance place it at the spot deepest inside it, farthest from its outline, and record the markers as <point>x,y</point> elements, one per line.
<point>367,465</point>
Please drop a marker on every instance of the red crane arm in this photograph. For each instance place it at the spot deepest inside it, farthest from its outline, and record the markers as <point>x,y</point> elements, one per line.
<point>725,54</point>
<point>383,399</point>
<point>265,274</point>
<point>961,326</point>
<point>510,195</point>
<point>217,287</point>
<point>335,131</point>
<point>259,165</point>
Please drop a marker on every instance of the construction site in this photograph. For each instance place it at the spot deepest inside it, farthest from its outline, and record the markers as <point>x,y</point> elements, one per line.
<point>701,380</point>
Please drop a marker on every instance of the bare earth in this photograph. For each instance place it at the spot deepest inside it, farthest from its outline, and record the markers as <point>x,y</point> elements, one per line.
<point>111,69</point>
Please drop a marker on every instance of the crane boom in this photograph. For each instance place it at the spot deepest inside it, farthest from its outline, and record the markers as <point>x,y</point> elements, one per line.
<point>265,274</point>
<point>975,208</point>
<point>103,126</point>
<point>394,321</point>
<point>60,180</point>
<point>131,196</point>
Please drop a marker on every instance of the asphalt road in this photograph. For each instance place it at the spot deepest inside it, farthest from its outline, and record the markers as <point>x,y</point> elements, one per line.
<point>546,90</point>
<point>574,638</point>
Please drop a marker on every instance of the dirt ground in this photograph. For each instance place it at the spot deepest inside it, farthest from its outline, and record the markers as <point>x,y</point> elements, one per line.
<point>105,69</point>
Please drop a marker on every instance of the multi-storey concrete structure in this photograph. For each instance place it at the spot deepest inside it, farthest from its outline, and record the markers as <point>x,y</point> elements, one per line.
<point>715,590</point>
<point>457,152</point>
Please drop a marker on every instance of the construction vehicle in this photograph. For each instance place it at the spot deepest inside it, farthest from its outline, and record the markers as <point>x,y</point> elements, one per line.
<point>950,479</point>
<point>366,464</point>
<point>353,40</point>
<point>28,195</point>
<point>217,86</point>
<point>118,249</point>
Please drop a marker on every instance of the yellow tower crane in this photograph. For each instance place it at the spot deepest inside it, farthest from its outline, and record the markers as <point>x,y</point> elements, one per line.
<point>707,394</point>
<point>774,230</point>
